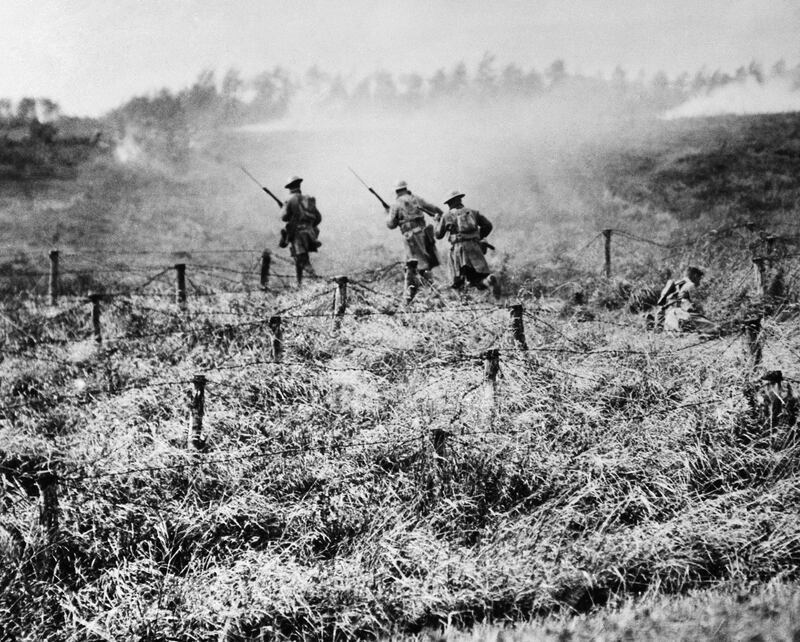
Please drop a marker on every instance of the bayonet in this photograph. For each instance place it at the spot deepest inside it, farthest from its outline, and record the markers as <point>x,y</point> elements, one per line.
<point>374,193</point>
<point>255,180</point>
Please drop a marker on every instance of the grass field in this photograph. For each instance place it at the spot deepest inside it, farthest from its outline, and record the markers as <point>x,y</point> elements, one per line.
<point>621,485</point>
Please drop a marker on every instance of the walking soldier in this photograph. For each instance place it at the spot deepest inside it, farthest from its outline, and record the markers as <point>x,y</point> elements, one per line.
<point>408,213</point>
<point>466,228</point>
<point>302,217</point>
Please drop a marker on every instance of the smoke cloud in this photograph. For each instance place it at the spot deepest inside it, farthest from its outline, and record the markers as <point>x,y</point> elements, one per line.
<point>776,95</point>
<point>128,151</point>
<point>520,161</point>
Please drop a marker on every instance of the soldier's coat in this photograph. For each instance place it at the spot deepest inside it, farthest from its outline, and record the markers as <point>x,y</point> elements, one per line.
<point>302,217</point>
<point>408,213</point>
<point>466,227</point>
<point>679,312</point>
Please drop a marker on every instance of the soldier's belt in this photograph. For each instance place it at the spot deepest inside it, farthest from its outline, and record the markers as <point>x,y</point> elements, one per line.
<point>412,227</point>
<point>458,238</point>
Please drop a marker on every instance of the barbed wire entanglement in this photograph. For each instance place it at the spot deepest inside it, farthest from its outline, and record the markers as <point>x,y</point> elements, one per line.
<point>193,327</point>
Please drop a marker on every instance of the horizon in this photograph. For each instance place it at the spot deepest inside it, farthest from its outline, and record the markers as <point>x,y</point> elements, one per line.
<point>56,46</point>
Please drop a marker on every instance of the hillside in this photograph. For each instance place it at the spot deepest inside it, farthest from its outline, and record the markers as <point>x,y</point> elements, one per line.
<point>369,481</point>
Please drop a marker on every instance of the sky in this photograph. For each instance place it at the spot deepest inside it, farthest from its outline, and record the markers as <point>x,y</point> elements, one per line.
<point>92,55</point>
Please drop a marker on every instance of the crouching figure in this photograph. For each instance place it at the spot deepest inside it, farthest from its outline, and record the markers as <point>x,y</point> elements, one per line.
<point>677,311</point>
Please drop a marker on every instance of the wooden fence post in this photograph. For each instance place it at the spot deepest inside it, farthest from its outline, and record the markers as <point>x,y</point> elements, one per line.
<point>411,280</point>
<point>439,439</point>
<point>47,481</point>
<point>760,276</point>
<point>491,366</point>
<point>340,299</point>
<point>94,298</point>
<point>277,338</point>
<point>754,341</point>
<point>52,284</point>
<point>518,325</point>
<point>180,291</point>
<point>769,243</point>
<point>607,247</point>
<point>197,408</point>
<point>266,260</point>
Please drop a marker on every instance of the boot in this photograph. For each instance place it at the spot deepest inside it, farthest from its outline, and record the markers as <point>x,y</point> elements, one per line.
<point>494,285</point>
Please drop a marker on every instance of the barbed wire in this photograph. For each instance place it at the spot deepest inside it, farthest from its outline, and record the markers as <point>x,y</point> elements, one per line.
<point>452,359</point>
<point>641,239</point>
<point>241,455</point>
<point>123,252</point>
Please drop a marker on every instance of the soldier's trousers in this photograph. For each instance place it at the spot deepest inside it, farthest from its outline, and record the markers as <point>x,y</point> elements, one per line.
<point>413,281</point>
<point>302,264</point>
<point>469,275</point>
<point>681,320</point>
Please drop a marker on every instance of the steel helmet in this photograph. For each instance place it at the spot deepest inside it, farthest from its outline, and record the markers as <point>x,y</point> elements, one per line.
<point>400,185</point>
<point>452,195</point>
<point>292,181</point>
<point>693,272</point>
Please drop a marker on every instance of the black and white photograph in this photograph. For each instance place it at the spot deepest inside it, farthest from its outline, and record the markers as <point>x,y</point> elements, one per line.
<point>399,320</point>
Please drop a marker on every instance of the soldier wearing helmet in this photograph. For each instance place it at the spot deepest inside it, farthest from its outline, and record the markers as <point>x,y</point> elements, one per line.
<point>408,213</point>
<point>466,228</point>
<point>302,217</point>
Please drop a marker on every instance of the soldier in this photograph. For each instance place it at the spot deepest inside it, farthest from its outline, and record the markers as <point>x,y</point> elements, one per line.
<point>408,213</point>
<point>775,401</point>
<point>302,217</point>
<point>467,229</point>
<point>675,309</point>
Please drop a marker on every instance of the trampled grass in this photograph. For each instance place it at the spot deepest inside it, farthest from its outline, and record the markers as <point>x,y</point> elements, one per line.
<point>367,486</point>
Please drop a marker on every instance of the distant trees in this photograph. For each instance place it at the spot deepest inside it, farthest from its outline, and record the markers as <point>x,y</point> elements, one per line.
<point>556,73</point>
<point>26,109</point>
<point>235,100</point>
<point>49,109</point>
<point>36,115</point>
<point>159,124</point>
<point>485,76</point>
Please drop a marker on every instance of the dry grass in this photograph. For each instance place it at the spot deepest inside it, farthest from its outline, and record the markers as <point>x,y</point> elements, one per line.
<point>618,468</point>
<point>321,510</point>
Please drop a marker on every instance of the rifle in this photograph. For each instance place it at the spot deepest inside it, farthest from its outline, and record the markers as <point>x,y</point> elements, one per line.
<point>374,193</point>
<point>287,233</point>
<point>253,178</point>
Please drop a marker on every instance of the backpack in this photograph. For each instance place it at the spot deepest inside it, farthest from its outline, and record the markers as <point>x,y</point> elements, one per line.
<point>308,210</point>
<point>409,209</point>
<point>466,222</point>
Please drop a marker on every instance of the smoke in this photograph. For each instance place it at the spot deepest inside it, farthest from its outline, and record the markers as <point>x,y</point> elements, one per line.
<point>776,95</point>
<point>519,159</point>
<point>127,151</point>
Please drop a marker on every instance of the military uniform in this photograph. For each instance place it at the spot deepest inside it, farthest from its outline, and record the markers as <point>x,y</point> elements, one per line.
<point>678,313</point>
<point>465,228</point>
<point>408,213</point>
<point>302,217</point>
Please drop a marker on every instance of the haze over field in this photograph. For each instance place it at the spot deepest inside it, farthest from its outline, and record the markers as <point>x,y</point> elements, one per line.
<point>518,106</point>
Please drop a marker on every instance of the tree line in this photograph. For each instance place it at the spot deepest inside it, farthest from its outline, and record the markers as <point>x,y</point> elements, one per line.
<point>234,99</point>
<point>166,121</point>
